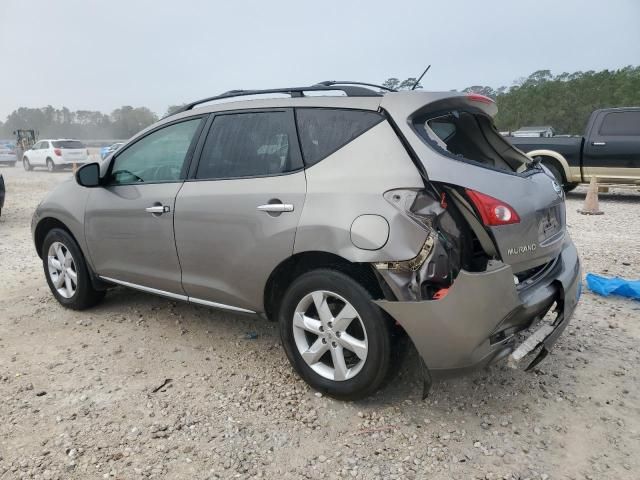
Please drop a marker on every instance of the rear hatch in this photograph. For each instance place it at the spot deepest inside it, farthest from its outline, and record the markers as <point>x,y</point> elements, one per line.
<point>70,150</point>
<point>517,201</point>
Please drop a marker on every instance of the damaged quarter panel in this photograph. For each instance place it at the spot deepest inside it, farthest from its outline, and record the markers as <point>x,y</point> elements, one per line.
<point>370,165</point>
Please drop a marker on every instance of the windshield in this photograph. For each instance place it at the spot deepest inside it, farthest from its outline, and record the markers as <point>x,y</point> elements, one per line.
<point>67,144</point>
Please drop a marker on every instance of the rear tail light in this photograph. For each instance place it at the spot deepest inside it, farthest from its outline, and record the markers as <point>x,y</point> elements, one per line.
<point>493,212</point>
<point>57,151</point>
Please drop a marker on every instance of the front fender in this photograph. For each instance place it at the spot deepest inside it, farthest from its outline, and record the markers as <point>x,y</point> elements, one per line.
<point>66,204</point>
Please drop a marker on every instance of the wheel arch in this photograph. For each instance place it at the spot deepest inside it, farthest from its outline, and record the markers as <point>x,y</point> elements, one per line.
<point>44,226</point>
<point>557,159</point>
<point>294,266</point>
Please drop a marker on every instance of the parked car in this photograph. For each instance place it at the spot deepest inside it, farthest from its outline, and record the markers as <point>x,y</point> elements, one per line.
<point>609,150</point>
<point>8,154</point>
<point>351,220</point>
<point>55,154</point>
<point>2,193</point>
<point>108,150</point>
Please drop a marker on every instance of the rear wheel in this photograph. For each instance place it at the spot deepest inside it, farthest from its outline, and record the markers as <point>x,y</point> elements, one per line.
<point>67,272</point>
<point>50,165</point>
<point>335,337</point>
<point>27,166</point>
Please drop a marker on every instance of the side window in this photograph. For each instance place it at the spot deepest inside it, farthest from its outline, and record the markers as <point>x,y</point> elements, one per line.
<point>621,123</point>
<point>249,145</point>
<point>324,130</point>
<point>157,157</point>
<point>36,146</point>
<point>44,145</point>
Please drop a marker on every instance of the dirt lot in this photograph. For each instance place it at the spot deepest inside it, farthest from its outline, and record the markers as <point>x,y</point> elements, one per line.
<point>79,392</point>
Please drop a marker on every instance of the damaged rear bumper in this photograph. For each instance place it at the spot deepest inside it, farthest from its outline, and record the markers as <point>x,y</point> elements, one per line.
<point>476,322</point>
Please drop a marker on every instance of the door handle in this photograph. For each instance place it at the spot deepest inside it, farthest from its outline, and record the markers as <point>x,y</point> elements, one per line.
<point>159,209</point>
<point>598,144</point>
<point>276,207</point>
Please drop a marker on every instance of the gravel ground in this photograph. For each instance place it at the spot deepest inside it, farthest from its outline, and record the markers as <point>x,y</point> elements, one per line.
<point>142,387</point>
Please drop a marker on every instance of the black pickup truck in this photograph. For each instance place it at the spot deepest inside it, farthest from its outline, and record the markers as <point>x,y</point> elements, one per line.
<point>609,150</point>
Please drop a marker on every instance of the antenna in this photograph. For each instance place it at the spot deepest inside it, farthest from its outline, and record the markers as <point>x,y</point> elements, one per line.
<point>423,74</point>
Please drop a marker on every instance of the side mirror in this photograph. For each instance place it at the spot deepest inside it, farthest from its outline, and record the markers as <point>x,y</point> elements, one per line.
<point>89,175</point>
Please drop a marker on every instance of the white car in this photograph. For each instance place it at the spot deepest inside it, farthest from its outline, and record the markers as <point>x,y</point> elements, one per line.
<point>55,154</point>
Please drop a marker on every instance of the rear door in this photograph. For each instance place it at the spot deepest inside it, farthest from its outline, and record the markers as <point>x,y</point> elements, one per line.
<point>129,221</point>
<point>612,150</point>
<point>236,216</point>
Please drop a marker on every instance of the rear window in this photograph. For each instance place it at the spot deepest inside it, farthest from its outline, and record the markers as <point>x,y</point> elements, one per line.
<point>325,130</point>
<point>472,137</point>
<point>67,144</point>
<point>621,123</point>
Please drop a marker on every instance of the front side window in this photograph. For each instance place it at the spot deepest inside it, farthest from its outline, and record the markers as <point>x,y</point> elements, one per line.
<point>157,157</point>
<point>326,130</point>
<point>249,145</point>
<point>621,123</point>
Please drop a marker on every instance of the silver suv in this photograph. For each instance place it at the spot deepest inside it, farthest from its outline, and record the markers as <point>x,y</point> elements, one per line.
<point>354,220</point>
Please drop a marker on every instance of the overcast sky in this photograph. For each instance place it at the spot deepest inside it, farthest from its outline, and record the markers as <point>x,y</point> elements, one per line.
<point>86,54</point>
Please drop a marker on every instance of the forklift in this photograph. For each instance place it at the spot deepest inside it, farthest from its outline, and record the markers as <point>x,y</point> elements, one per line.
<point>25,139</point>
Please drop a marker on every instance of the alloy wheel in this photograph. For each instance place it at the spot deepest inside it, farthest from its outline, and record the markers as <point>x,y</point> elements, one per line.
<point>330,335</point>
<point>62,270</point>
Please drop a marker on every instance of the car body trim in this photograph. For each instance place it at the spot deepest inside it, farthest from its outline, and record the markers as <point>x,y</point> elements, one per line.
<point>219,305</point>
<point>176,296</point>
<point>164,293</point>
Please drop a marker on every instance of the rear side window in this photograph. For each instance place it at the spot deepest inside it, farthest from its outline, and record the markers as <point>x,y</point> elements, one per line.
<point>67,144</point>
<point>325,130</point>
<point>249,145</point>
<point>621,123</point>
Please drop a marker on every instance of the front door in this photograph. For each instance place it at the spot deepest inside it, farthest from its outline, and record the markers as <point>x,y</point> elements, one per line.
<point>129,221</point>
<point>236,216</point>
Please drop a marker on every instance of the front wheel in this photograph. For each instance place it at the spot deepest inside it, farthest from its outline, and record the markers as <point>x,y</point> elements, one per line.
<point>67,272</point>
<point>335,337</point>
<point>27,166</point>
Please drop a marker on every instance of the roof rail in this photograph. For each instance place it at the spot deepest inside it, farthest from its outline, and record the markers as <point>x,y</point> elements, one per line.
<point>328,83</point>
<point>352,89</point>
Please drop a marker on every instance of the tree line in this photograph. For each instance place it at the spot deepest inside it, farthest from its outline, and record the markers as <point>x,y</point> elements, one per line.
<point>563,101</point>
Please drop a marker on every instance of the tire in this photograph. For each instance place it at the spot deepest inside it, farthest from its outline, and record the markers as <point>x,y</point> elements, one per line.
<point>27,166</point>
<point>568,187</point>
<point>51,166</point>
<point>57,246</point>
<point>369,333</point>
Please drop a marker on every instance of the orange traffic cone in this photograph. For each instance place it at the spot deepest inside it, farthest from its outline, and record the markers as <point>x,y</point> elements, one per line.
<point>590,206</point>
